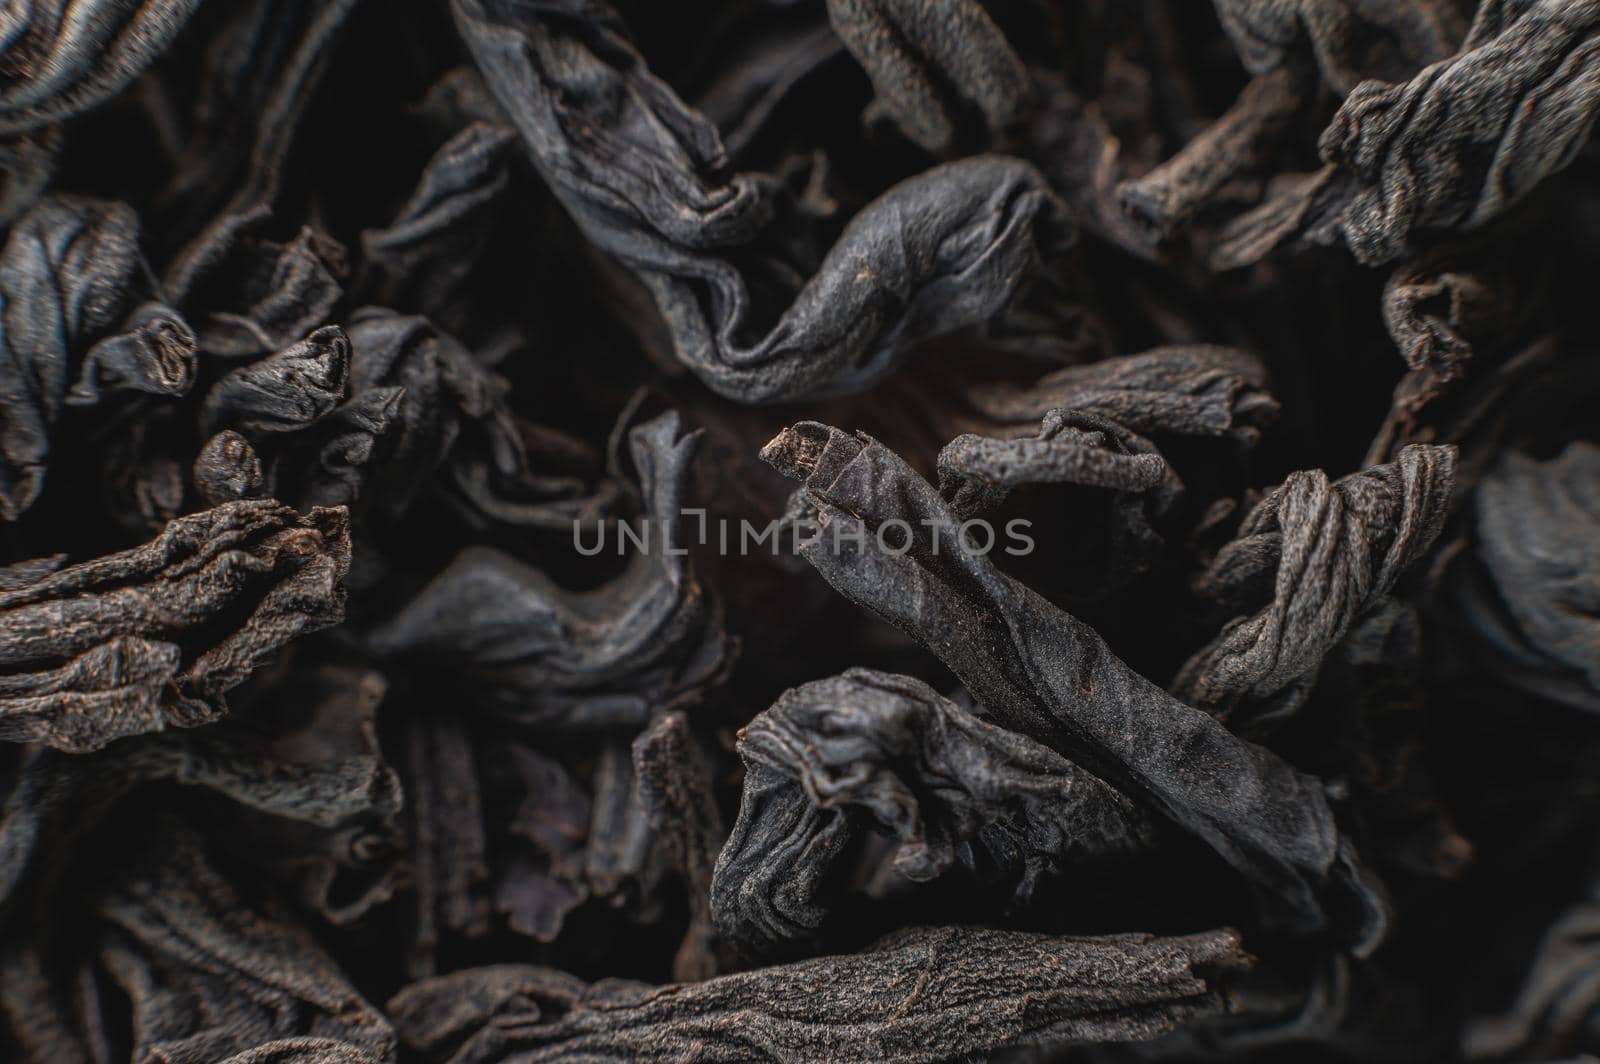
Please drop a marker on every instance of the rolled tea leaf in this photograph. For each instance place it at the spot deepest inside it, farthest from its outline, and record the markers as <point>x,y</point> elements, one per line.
<point>154,355</point>
<point>283,392</point>
<point>1335,550</point>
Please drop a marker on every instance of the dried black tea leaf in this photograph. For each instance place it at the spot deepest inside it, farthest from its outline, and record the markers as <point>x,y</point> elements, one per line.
<point>868,750</point>
<point>1333,551</point>
<point>977,473</point>
<point>208,978</point>
<point>1350,41</point>
<point>227,469</point>
<point>272,294</point>
<point>676,794</point>
<point>313,813</point>
<point>1240,141</point>
<point>447,425</point>
<point>920,995</point>
<point>986,220</point>
<point>258,76</point>
<point>283,392</point>
<point>401,600</point>
<point>1198,390</point>
<point>1051,677</point>
<point>154,356</point>
<point>1453,148</point>
<point>422,258</point>
<point>153,637</point>
<point>1489,123</point>
<point>916,52</point>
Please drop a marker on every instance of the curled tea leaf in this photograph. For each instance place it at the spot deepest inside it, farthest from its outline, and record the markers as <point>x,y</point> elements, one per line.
<point>154,355</point>
<point>868,750</point>
<point>283,392</point>
<point>579,95</point>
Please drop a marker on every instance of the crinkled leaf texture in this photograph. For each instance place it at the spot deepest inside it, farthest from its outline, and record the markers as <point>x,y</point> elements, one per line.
<point>153,637</point>
<point>870,750</point>
<point>1042,672</point>
<point>920,995</point>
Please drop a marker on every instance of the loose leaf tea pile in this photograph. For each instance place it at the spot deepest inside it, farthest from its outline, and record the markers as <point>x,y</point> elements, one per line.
<point>802,530</point>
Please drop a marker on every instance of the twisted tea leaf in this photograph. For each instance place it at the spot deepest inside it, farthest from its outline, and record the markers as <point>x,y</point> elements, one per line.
<point>1047,675</point>
<point>270,295</point>
<point>453,431</point>
<point>976,473</point>
<point>284,392</point>
<point>155,355</point>
<point>258,79</point>
<point>870,750</point>
<point>1336,550</point>
<point>1242,140</point>
<point>1347,41</point>
<point>1453,148</point>
<point>1440,310</point>
<point>152,637</point>
<point>921,995</point>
